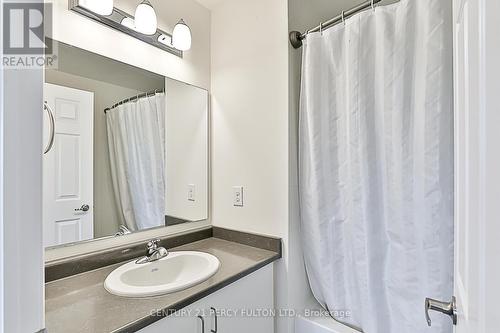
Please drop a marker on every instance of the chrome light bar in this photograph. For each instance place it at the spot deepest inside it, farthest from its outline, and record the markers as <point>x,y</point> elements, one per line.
<point>160,39</point>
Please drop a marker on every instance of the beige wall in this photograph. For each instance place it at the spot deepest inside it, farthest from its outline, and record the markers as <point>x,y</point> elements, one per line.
<point>250,122</point>
<point>186,150</point>
<point>250,115</point>
<point>304,15</point>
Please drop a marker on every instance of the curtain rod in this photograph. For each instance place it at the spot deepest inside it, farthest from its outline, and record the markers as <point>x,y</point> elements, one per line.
<point>134,98</point>
<point>297,37</point>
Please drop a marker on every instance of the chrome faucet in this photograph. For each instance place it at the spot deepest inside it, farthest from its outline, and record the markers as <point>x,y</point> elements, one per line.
<point>123,231</point>
<point>155,252</point>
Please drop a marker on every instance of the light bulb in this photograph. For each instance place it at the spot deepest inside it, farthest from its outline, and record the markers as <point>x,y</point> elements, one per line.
<point>181,37</point>
<point>128,22</point>
<point>101,7</point>
<point>145,18</point>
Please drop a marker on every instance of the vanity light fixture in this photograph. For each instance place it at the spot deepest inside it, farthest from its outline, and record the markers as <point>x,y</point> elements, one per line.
<point>145,18</point>
<point>165,39</point>
<point>101,7</point>
<point>143,27</point>
<point>181,37</point>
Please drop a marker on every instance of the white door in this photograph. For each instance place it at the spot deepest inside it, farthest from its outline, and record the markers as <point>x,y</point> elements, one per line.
<point>68,167</point>
<point>477,164</point>
<point>467,144</point>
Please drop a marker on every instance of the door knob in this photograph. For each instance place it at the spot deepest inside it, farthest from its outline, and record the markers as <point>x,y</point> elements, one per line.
<point>449,309</point>
<point>47,108</point>
<point>84,208</point>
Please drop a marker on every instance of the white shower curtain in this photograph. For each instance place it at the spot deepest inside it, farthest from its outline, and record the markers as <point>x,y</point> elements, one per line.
<point>376,166</point>
<point>136,139</point>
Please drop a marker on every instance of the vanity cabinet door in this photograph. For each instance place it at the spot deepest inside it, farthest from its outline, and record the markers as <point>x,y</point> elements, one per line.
<point>245,306</point>
<point>175,325</point>
<point>184,321</point>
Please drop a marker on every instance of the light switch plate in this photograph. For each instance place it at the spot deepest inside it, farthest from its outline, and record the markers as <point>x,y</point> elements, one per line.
<point>238,196</point>
<point>191,192</point>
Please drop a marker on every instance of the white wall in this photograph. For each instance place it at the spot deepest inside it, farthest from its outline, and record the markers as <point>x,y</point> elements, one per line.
<point>21,292</point>
<point>490,73</point>
<point>2,284</point>
<point>22,200</point>
<point>194,68</point>
<point>250,146</point>
<point>186,150</point>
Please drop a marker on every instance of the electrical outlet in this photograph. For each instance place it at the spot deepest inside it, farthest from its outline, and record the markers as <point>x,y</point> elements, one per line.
<point>238,196</point>
<point>191,192</point>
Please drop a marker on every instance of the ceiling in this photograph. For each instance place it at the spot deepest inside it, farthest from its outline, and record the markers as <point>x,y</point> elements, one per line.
<point>210,4</point>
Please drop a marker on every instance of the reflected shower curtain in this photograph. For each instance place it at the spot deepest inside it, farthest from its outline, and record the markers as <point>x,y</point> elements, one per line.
<point>136,139</point>
<point>376,166</point>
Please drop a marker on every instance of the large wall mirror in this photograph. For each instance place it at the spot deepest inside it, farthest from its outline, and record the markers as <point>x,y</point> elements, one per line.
<point>126,149</point>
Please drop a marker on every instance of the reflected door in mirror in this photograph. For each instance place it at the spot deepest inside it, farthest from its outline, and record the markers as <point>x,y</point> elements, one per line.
<point>130,153</point>
<point>68,167</point>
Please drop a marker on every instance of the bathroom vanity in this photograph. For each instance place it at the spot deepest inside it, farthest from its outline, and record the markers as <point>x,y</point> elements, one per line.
<point>237,298</point>
<point>126,177</point>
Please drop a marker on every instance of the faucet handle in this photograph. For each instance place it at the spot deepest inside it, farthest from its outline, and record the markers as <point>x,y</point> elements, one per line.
<point>153,244</point>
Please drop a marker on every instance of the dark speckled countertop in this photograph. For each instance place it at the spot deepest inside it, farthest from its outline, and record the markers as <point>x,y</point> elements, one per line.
<point>80,303</point>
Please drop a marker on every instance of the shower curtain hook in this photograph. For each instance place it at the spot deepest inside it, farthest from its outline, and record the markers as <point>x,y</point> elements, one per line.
<point>321,28</point>
<point>373,5</point>
<point>343,17</point>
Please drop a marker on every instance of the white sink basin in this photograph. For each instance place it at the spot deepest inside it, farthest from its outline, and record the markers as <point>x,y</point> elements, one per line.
<point>177,271</point>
